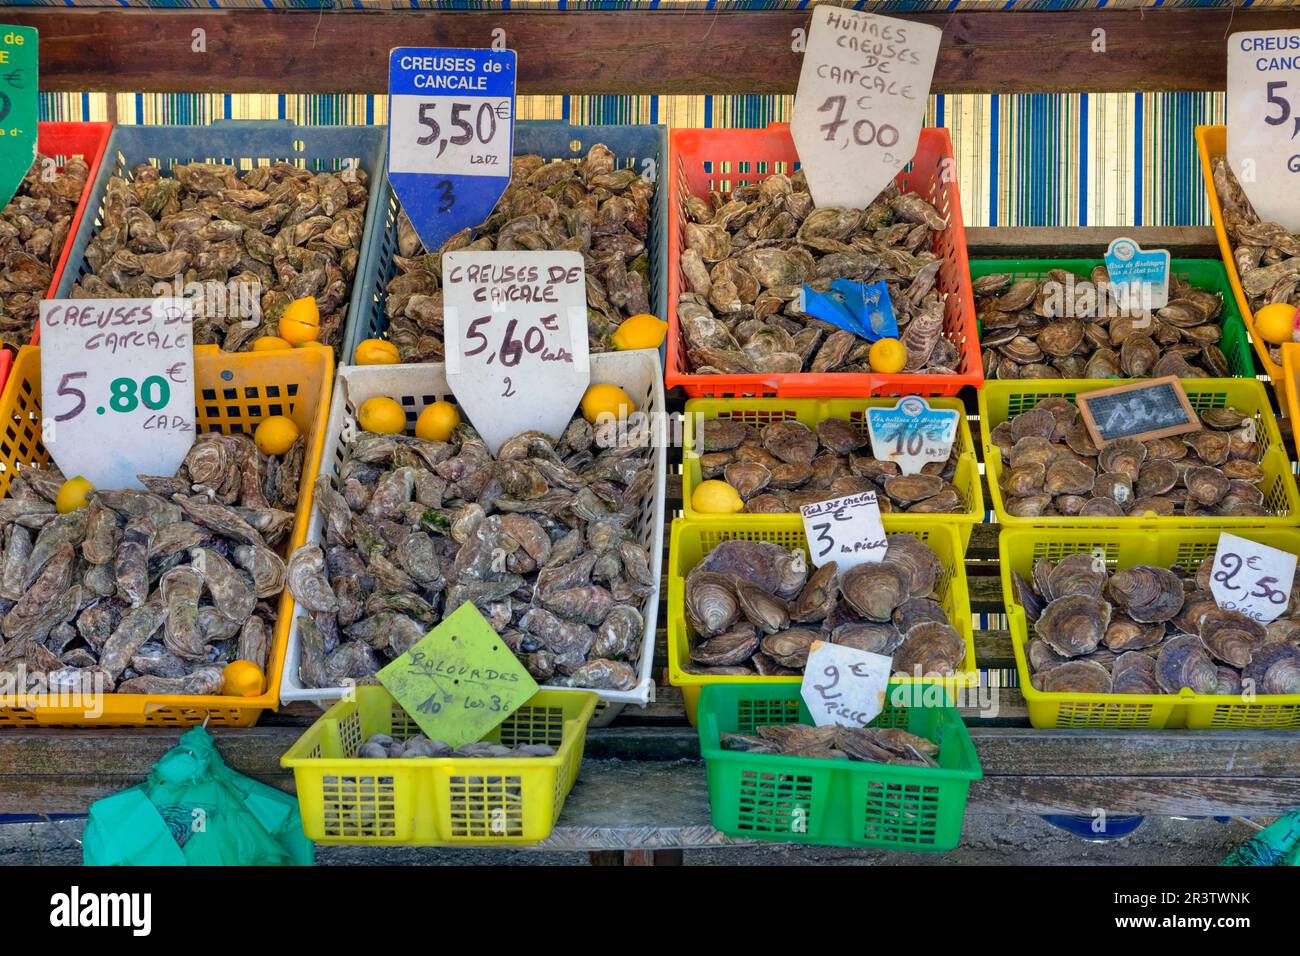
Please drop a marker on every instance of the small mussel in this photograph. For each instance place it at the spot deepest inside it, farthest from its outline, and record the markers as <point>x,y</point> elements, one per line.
<point>1050,467</point>
<point>753,608</point>
<point>1150,630</point>
<point>783,465</point>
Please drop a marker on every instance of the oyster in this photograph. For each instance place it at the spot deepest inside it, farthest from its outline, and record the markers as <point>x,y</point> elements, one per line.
<point>33,230</point>
<point>1183,662</point>
<point>887,745</point>
<point>584,204</point>
<point>1075,624</point>
<point>1064,325</point>
<point>748,254</point>
<point>276,233</point>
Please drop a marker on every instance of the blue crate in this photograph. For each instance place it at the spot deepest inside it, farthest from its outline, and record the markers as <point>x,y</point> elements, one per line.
<point>244,144</point>
<point>551,139</point>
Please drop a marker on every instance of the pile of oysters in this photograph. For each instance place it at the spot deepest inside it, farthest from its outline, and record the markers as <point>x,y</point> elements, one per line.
<point>1266,254</point>
<point>1150,630</point>
<point>541,538</point>
<point>1062,326</point>
<point>783,465</point>
<point>33,228</point>
<point>754,608</point>
<point>147,592</point>
<point>584,205</point>
<point>1051,467</point>
<point>890,745</point>
<point>382,746</point>
<point>748,255</point>
<point>277,232</point>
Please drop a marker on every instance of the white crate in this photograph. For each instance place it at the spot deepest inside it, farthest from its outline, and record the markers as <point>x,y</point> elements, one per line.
<point>418,386</point>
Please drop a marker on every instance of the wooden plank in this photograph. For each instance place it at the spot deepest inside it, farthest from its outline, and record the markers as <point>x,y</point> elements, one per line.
<point>1159,796</point>
<point>1053,242</point>
<point>621,52</point>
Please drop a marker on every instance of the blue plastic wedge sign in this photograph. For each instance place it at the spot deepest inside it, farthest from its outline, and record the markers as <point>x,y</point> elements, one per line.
<point>450,135</point>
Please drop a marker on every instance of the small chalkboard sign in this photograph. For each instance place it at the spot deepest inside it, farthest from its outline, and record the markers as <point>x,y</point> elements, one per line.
<point>1152,408</point>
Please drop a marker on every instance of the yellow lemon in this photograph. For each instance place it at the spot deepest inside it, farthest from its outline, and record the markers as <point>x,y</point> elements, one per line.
<point>311,345</point>
<point>887,356</point>
<point>381,415</point>
<point>242,679</point>
<point>437,422</point>
<point>1275,323</point>
<point>376,352</point>
<point>300,321</point>
<point>73,494</point>
<point>606,399</point>
<point>270,343</point>
<point>275,435</point>
<point>715,497</point>
<point>641,331</point>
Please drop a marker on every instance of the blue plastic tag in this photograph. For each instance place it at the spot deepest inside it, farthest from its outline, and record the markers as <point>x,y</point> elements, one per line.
<point>912,433</point>
<point>450,135</point>
<point>865,310</point>
<point>1140,278</point>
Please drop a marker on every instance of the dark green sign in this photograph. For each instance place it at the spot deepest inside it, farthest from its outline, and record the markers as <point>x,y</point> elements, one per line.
<point>18,76</point>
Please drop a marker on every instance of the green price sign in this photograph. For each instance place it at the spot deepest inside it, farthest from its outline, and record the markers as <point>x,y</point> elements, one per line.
<point>18,76</point>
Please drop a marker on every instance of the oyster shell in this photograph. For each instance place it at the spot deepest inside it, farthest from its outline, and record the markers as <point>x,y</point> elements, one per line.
<point>1074,625</point>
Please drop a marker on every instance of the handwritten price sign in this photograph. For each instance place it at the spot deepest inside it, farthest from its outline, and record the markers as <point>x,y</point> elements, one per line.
<point>18,106</point>
<point>127,364</point>
<point>912,433</point>
<point>1252,578</point>
<point>845,530</point>
<point>515,324</point>
<point>450,135</point>
<point>1264,121</point>
<point>843,685</point>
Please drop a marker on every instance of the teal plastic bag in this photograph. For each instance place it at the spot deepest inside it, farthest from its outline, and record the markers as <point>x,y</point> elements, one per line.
<point>1278,844</point>
<point>193,810</point>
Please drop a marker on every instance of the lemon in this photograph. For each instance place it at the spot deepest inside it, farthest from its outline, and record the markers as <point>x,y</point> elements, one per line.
<point>73,494</point>
<point>641,331</point>
<point>437,422</point>
<point>313,344</point>
<point>242,679</point>
<point>270,343</point>
<point>1275,323</point>
<point>715,497</point>
<point>381,415</point>
<point>606,400</point>
<point>376,352</point>
<point>887,356</point>
<point>300,321</point>
<point>275,435</point>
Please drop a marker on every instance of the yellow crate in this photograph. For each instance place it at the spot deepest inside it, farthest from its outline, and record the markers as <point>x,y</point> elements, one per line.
<point>692,540</point>
<point>1185,547</point>
<point>232,393</point>
<point>441,801</point>
<point>1000,401</point>
<point>810,411</point>
<point>1212,142</point>
<point>1290,370</point>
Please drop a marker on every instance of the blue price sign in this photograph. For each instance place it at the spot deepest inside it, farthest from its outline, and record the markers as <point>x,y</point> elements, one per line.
<point>912,433</point>
<point>1139,278</point>
<point>450,135</point>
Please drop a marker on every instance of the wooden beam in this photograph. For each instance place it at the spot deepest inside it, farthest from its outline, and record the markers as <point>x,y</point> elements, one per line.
<point>620,52</point>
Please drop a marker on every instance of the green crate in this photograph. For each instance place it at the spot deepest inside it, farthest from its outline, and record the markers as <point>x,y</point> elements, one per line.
<point>1207,274</point>
<point>836,802</point>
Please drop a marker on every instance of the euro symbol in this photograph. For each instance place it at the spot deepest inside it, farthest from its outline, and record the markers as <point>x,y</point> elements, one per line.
<point>175,371</point>
<point>503,109</point>
<point>14,78</point>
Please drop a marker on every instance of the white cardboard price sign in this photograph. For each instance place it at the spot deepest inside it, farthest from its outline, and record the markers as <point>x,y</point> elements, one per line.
<point>861,102</point>
<point>1251,578</point>
<point>912,433</point>
<point>843,685</point>
<point>515,324</point>
<point>117,387</point>
<point>1264,121</point>
<point>845,530</point>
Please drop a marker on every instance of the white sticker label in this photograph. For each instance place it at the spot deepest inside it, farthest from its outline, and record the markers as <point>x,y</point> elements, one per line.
<point>516,334</point>
<point>1252,578</point>
<point>845,530</point>
<point>912,433</point>
<point>117,387</point>
<point>1264,121</point>
<point>861,102</point>
<point>843,685</point>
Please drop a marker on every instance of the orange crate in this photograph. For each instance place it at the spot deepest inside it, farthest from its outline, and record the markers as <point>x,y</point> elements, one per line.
<point>232,392</point>
<point>722,159</point>
<point>61,141</point>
